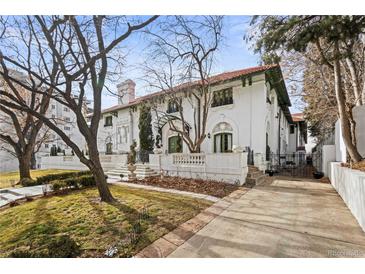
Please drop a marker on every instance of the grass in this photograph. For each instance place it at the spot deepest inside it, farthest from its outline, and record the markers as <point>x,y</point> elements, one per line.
<point>93,225</point>
<point>6,178</point>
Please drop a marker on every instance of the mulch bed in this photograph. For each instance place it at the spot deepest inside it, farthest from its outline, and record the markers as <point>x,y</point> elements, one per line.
<point>208,187</point>
<point>324,180</point>
<point>359,166</point>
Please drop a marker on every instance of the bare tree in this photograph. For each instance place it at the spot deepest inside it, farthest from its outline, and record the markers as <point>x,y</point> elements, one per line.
<point>68,57</point>
<point>181,59</point>
<point>22,134</point>
<point>339,42</point>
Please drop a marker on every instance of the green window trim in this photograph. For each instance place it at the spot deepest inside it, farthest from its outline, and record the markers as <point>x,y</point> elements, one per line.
<point>108,121</point>
<point>222,97</point>
<point>175,144</point>
<point>223,142</point>
<point>109,148</point>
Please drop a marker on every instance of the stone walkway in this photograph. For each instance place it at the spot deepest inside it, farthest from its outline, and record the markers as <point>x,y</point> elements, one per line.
<point>281,218</point>
<point>160,189</point>
<point>8,195</point>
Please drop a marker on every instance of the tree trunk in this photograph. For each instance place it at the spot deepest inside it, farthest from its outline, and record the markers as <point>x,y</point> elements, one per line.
<point>98,173</point>
<point>341,101</point>
<point>24,166</point>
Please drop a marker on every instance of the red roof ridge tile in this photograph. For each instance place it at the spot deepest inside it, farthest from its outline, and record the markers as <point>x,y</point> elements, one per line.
<point>214,79</point>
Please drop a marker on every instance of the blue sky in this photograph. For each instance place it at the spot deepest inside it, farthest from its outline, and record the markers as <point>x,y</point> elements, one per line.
<point>234,54</point>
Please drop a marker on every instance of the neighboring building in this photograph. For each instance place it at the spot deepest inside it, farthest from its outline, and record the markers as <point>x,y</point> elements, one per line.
<point>297,134</point>
<point>64,118</point>
<point>249,109</point>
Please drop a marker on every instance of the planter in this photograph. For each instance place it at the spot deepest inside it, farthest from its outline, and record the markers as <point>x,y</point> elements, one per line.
<point>131,168</point>
<point>318,175</point>
<point>271,172</point>
<point>157,151</point>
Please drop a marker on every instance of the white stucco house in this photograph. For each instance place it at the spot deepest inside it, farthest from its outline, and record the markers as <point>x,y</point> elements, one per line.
<point>254,114</point>
<point>298,135</point>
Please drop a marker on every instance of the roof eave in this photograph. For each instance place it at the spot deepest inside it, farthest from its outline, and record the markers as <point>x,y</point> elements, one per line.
<point>276,79</point>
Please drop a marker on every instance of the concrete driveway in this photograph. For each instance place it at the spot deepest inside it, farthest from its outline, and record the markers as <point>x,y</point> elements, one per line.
<point>281,218</point>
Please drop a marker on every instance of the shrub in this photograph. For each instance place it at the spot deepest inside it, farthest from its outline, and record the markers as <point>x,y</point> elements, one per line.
<point>13,203</point>
<point>60,176</point>
<point>28,198</point>
<point>72,182</point>
<point>86,180</point>
<point>28,254</point>
<point>28,182</point>
<point>59,247</point>
<point>58,185</point>
<point>63,247</point>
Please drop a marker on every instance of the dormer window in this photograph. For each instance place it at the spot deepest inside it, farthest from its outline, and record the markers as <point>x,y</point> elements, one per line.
<point>108,121</point>
<point>246,80</point>
<point>222,97</point>
<point>172,106</point>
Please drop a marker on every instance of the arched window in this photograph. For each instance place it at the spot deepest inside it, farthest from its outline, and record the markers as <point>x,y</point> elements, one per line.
<point>222,137</point>
<point>108,145</point>
<point>175,144</point>
<point>223,142</point>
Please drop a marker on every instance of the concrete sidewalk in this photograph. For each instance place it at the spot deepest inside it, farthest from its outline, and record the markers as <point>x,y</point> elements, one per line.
<point>280,219</point>
<point>8,195</point>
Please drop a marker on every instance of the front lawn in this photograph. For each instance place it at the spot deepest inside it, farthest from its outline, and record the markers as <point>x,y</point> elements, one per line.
<point>138,218</point>
<point>6,178</point>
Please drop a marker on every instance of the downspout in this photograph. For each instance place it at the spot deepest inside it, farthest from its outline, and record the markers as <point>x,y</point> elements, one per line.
<point>279,137</point>
<point>199,117</point>
<point>131,127</point>
<point>251,120</point>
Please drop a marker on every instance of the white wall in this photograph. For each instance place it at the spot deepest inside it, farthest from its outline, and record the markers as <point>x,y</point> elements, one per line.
<point>350,185</point>
<point>8,162</point>
<point>108,162</point>
<point>328,156</point>
<point>250,117</point>
<point>340,145</point>
<point>227,167</point>
<point>359,117</point>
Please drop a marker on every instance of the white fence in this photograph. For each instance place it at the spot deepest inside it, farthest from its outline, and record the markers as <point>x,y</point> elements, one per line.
<point>227,167</point>
<point>72,162</point>
<point>350,185</point>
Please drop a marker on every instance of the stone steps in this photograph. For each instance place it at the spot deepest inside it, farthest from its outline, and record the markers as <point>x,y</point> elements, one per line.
<point>8,195</point>
<point>254,177</point>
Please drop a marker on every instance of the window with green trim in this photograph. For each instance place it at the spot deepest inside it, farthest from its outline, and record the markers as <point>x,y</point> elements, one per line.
<point>222,97</point>
<point>109,148</point>
<point>175,144</point>
<point>108,121</point>
<point>223,142</point>
<point>172,106</point>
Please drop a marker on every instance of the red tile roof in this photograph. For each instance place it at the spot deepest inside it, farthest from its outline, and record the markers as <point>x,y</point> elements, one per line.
<point>212,80</point>
<point>297,117</point>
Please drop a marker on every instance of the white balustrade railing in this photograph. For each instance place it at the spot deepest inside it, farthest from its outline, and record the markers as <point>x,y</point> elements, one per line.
<point>188,159</point>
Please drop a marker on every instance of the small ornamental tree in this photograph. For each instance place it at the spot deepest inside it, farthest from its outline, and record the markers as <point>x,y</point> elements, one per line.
<point>146,140</point>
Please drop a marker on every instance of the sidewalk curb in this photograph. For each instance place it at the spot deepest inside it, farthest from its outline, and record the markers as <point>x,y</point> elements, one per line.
<point>168,243</point>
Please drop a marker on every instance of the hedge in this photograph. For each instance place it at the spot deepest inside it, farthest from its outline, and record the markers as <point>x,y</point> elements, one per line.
<point>73,183</point>
<point>28,182</point>
<point>60,176</point>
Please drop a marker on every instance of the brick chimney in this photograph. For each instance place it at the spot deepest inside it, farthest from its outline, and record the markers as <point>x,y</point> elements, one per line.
<point>126,92</point>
